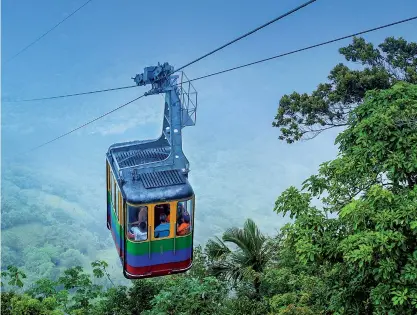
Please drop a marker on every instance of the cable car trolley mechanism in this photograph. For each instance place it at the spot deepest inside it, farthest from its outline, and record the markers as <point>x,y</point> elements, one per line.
<point>150,203</point>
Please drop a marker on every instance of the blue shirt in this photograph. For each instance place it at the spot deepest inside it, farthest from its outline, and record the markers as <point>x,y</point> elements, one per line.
<point>162,230</point>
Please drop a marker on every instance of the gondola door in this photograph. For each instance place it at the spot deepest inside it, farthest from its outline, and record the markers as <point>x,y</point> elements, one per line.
<point>162,231</point>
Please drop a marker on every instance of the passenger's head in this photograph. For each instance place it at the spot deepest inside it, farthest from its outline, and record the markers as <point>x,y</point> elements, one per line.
<point>142,227</point>
<point>186,218</point>
<point>180,209</point>
<point>142,210</point>
<point>163,217</point>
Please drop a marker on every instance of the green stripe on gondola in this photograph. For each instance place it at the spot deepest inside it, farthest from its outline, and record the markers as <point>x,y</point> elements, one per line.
<point>141,248</point>
<point>167,244</point>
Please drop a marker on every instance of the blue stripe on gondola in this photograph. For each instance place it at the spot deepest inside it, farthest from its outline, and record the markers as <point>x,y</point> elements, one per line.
<point>158,258</point>
<point>116,243</point>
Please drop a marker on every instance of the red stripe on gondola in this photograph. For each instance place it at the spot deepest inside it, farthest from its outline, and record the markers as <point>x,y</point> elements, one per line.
<point>160,270</point>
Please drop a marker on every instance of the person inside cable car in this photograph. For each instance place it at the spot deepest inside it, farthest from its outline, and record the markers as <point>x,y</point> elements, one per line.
<point>180,212</point>
<point>162,230</point>
<point>138,233</point>
<point>142,216</point>
<point>184,227</point>
<point>159,209</point>
<point>181,208</point>
<point>167,213</point>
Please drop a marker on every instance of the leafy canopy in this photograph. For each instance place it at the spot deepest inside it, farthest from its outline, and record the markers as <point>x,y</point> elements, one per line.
<point>366,256</point>
<point>303,116</point>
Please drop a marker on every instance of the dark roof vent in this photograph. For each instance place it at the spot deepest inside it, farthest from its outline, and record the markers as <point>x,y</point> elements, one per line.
<point>139,157</point>
<point>162,179</point>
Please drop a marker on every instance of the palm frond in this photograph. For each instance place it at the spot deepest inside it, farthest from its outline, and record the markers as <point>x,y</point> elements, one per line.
<point>252,255</point>
<point>248,273</point>
<point>216,249</point>
<point>227,270</point>
<point>249,239</point>
<point>237,237</point>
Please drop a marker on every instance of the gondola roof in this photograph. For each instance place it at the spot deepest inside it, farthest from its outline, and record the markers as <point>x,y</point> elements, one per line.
<point>146,185</point>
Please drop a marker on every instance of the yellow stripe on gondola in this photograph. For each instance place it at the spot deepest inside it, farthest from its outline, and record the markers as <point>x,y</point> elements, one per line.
<point>120,200</point>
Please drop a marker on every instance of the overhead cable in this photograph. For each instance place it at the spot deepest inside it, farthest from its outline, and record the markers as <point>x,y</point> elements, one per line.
<point>229,69</point>
<point>299,50</point>
<point>87,123</point>
<point>234,68</point>
<point>182,67</point>
<point>44,34</point>
<point>69,95</point>
<point>247,34</point>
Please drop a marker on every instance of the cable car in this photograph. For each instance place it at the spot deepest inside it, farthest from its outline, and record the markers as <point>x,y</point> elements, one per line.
<point>150,202</point>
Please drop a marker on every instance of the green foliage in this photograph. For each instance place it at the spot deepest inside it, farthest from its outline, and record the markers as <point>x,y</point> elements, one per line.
<point>247,262</point>
<point>79,283</point>
<point>43,232</point>
<point>303,286</point>
<point>382,135</point>
<point>244,305</point>
<point>200,264</point>
<point>71,257</point>
<point>377,148</point>
<point>366,256</point>
<point>291,309</point>
<point>115,301</point>
<point>41,261</point>
<point>26,305</point>
<point>43,288</point>
<point>14,275</point>
<point>188,296</point>
<point>303,116</point>
<point>194,292</point>
<point>26,215</point>
<point>99,269</point>
<point>6,299</point>
<point>142,293</point>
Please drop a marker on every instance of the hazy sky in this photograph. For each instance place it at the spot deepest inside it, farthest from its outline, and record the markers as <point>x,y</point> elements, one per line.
<point>238,165</point>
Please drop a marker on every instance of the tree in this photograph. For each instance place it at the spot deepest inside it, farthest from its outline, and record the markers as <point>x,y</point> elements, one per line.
<point>379,147</point>
<point>199,269</point>
<point>244,305</point>
<point>14,275</point>
<point>142,293</point>
<point>84,291</point>
<point>99,270</point>
<point>25,305</point>
<point>114,301</point>
<point>248,261</point>
<point>367,255</point>
<point>188,296</point>
<point>303,116</point>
